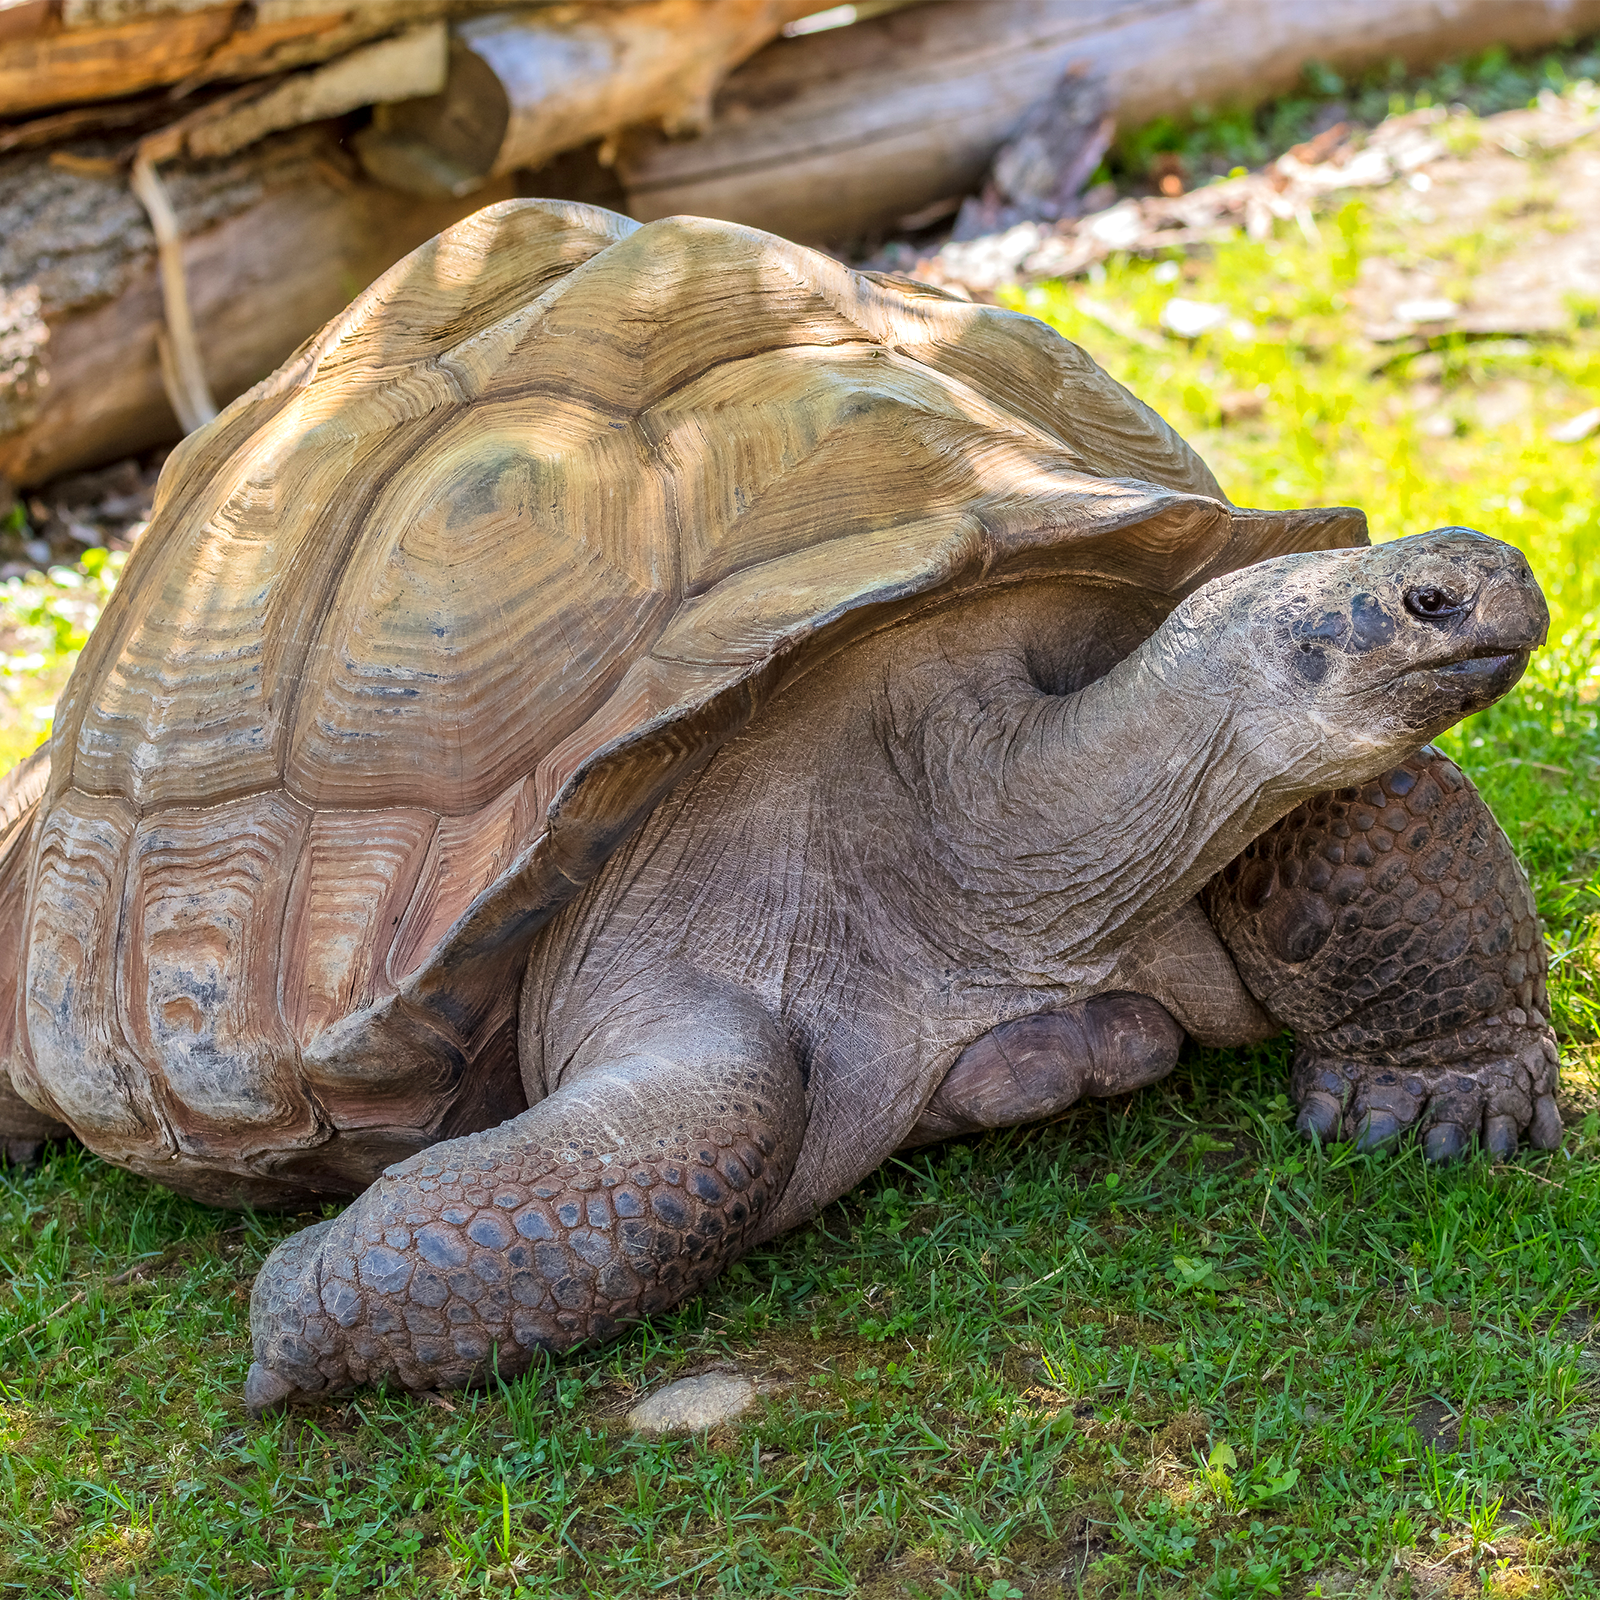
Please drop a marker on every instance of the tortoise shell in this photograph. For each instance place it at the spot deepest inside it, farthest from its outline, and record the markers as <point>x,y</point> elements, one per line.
<point>427,622</point>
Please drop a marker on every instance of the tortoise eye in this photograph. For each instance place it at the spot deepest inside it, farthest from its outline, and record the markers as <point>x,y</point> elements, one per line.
<point>1433,605</point>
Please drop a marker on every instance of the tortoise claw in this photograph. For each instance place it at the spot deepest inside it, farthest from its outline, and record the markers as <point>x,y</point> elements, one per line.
<point>1444,1141</point>
<point>1545,1133</point>
<point>1379,1129</point>
<point>266,1390</point>
<point>1500,1135</point>
<point>1319,1117</point>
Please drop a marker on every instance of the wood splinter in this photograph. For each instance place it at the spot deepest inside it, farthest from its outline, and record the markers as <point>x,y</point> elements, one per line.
<point>183,373</point>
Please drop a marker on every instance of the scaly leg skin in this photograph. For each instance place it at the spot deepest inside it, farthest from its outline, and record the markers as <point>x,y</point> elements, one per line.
<point>24,1132</point>
<point>1391,927</point>
<point>1036,1066</point>
<point>614,1198</point>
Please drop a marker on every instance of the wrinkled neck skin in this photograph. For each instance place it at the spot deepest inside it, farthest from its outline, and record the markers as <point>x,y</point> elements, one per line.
<point>964,819</point>
<point>1061,824</point>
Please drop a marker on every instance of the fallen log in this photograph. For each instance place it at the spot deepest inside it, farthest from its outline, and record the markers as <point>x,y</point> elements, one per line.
<point>838,134</point>
<point>524,86</point>
<point>401,67</point>
<point>275,242</point>
<point>58,55</point>
<point>261,238</point>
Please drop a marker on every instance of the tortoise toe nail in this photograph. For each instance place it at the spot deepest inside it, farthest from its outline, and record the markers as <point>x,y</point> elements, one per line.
<point>1545,1133</point>
<point>1319,1117</point>
<point>266,1390</point>
<point>1444,1141</point>
<point>1378,1130</point>
<point>1501,1137</point>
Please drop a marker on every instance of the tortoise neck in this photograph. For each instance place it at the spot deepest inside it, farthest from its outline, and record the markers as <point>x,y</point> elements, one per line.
<point>1114,804</point>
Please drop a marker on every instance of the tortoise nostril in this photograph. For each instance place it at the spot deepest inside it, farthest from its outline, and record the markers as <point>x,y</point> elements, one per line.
<point>1433,604</point>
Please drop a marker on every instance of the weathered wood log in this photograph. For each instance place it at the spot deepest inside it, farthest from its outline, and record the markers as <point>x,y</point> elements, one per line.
<point>53,55</point>
<point>839,133</point>
<point>405,64</point>
<point>402,67</point>
<point>397,66</point>
<point>276,241</point>
<point>524,86</point>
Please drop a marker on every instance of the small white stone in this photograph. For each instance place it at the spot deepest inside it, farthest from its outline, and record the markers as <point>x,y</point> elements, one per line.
<point>1119,228</point>
<point>1190,318</point>
<point>1426,310</point>
<point>1576,429</point>
<point>692,1404</point>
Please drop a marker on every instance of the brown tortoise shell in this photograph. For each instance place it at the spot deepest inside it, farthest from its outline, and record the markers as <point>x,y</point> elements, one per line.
<point>427,622</point>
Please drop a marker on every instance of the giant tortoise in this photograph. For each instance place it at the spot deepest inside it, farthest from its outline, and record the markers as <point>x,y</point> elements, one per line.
<point>632,725</point>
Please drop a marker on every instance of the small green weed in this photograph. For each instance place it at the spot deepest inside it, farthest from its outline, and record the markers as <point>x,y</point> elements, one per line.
<point>44,620</point>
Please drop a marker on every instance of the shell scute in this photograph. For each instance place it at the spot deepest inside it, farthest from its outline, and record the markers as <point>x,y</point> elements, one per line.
<point>465,855</point>
<point>491,604</point>
<point>72,1059</point>
<point>353,883</point>
<point>203,913</point>
<point>802,446</point>
<point>285,436</point>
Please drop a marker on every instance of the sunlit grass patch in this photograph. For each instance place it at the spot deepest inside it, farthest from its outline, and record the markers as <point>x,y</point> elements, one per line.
<point>45,620</point>
<point>1160,1346</point>
<point>1322,416</point>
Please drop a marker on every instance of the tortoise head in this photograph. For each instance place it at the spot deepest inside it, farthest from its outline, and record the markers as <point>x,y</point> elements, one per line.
<point>1382,647</point>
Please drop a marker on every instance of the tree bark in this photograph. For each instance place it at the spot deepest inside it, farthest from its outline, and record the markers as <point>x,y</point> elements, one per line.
<point>840,133</point>
<point>277,241</point>
<point>524,86</point>
<point>46,62</point>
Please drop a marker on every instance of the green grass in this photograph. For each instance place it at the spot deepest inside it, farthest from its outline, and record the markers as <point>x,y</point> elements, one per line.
<point>1215,140</point>
<point>1158,1347</point>
<point>45,618</point>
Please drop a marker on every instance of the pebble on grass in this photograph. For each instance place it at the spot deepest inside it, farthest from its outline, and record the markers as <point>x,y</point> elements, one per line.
<point>693,1404</point>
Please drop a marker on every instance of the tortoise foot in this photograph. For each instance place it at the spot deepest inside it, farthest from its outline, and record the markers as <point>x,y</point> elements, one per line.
<point>267,1391</point>
<point>1391,927</point>
<point>1498,1100</point>
<point>296,1341</point>
<point>25,1131</point>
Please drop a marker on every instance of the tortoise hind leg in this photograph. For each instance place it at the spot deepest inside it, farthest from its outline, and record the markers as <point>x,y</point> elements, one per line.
<point>24,1132</point>
<point>1391,927</point>
<point>617,1196</point>
<point>1039,1065</point>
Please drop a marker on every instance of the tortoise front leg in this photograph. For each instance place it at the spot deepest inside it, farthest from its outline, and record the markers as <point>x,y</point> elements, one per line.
<point>1392,928</point>
<point>616,1197</point>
